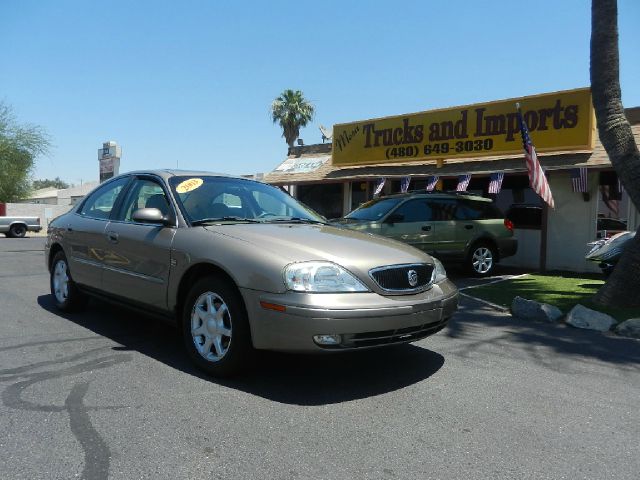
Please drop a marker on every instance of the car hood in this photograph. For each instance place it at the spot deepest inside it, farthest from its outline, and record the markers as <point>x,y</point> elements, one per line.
<point>303,242</point>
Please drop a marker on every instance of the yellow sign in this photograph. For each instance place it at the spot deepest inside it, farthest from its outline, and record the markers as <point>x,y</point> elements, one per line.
<point>189,185</point>
<point>557,121</point>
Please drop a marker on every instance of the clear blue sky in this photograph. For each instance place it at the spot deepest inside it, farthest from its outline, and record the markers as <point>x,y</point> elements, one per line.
<point>191,82</point>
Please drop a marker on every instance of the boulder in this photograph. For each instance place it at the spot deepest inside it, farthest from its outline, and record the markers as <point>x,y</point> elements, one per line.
<point>583,317</point>
<point>629,328</point>
<point>532,310</point>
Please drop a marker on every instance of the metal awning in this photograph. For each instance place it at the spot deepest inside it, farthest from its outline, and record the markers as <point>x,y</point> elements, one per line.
<point>325,172</point>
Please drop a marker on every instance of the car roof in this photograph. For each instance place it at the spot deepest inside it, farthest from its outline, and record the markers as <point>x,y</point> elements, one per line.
<point>438,194</point>
<point>168,173</point>
<point>524,205</point>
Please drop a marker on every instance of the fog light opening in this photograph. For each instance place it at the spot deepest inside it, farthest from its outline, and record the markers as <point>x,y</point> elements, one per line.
<point>327,339</point>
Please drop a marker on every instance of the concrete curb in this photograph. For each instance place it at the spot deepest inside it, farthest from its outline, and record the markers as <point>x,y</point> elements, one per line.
<point>495,306</point>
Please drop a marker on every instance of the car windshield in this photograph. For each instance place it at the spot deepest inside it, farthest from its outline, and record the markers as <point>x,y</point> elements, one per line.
<point>374,209</point>
<point>204,199</point>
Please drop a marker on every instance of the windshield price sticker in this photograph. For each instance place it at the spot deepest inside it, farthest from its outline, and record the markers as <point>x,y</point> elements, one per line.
<point>189,185</point>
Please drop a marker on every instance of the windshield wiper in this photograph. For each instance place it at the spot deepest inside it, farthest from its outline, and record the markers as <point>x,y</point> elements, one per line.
<point>295,220</point>
<point>203,221</point>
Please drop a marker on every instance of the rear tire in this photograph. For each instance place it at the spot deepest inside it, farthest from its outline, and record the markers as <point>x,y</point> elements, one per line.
<point>481,261</point>
<point>66,295</point>
<point>17,231</point>
<point>215,327</point>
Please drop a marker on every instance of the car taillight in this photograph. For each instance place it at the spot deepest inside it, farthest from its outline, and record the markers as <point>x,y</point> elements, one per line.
<point>509,224</point>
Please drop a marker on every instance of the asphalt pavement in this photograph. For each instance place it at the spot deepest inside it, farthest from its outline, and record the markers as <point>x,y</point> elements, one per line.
<point>107,393</point>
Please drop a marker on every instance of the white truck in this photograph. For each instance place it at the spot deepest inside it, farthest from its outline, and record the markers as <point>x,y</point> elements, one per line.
<point>17,227</point>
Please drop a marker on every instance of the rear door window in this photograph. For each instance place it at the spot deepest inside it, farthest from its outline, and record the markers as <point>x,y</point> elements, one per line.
<point>443,209</point>
<point>101,202</point>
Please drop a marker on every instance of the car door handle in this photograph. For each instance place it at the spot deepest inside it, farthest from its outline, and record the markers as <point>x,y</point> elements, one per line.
<point>112,237</point>
<point>426,228</point>
<point>468,227</point>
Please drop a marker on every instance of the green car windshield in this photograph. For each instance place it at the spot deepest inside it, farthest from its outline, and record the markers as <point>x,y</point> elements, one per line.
<point>205,199</point>
<point>374,209</point>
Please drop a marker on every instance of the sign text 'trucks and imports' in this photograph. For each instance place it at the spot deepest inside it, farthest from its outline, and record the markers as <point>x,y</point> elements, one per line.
<point>559,121</point>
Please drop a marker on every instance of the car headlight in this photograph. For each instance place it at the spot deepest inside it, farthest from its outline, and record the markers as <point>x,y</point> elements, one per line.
<point>439,273</point>
<point>323,277</point>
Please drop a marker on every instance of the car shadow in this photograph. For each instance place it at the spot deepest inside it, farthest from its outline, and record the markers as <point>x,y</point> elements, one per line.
<point>287,378</point>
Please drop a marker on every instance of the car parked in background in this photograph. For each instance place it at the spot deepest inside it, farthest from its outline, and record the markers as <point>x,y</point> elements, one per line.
<point>238,265</point>
<point>455,227</point>
<point>525,215</point>
<point>606,252</point>
<point>529,216</point>
<point>17,227</point>
<point>608,227</point>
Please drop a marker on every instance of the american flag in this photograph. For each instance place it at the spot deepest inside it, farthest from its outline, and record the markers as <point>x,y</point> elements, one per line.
<point>432,182</point>
<point>611,198</point>
<point>537,180</point>
<point>404,184</point>
<point>463,183</point>
<point>579,179</point>
<point>495,184</point>
<point>379,185</point>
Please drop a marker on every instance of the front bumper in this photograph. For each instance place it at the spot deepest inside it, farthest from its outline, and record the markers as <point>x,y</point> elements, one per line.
<point>361,319</point>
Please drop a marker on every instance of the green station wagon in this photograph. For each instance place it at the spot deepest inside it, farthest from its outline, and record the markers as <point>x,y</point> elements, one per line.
<point>455,227</point>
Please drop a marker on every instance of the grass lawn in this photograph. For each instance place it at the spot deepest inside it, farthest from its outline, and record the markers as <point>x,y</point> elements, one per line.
<point>562,290</point>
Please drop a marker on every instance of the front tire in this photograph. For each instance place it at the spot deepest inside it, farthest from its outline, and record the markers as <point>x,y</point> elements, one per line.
<point>66,295</point>
<point>482,260</point>
<point>215,327</point>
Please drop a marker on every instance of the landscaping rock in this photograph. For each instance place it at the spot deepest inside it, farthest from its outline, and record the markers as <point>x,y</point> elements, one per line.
<point>583,317</point>
<point>532,310</point>
<point>629,328</point>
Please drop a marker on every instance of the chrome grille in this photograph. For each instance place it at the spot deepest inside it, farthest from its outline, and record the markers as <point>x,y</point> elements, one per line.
<point>395,278</point>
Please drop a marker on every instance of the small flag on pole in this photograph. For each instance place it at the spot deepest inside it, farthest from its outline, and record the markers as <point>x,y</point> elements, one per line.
<point>579,179</point>
<point>379,185</point>
<point>495,184</point>
<point>432,182</point>
<point>463,183</point>
<point>537,180</point>
<point>404,184</point>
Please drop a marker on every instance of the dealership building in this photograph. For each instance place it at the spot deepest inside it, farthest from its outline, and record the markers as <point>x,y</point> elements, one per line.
<point>483,142</point>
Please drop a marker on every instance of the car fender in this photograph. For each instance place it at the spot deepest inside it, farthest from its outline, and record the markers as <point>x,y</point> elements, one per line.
<point>483,237</point>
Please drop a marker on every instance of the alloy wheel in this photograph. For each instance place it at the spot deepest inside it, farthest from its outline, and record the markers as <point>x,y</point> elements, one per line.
<point>61,282</point>
<point>482,260</point>
<point>211,326</point>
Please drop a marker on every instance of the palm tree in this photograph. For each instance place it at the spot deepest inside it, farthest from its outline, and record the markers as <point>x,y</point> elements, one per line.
<point>621,289</point>
<point>292,111</point>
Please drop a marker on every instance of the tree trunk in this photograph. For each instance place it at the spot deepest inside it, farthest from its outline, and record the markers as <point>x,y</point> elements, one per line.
<point>623,286</point>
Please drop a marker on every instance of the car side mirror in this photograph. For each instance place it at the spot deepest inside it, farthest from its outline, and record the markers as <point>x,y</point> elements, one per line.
<point>150,215</point>
<point>394,218</point>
